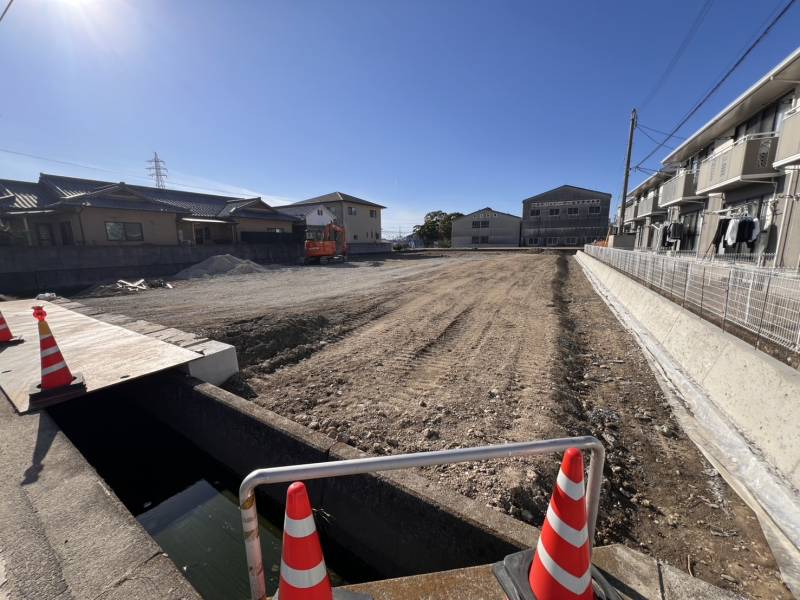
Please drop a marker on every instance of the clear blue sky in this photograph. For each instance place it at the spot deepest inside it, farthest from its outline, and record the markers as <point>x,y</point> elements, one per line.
<point>418,105</point>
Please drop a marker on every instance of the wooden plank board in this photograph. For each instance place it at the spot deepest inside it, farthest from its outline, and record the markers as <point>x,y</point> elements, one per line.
<point>105,354</point>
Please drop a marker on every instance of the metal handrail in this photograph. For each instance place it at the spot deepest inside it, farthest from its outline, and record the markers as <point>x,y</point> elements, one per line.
<point>765,135</point>
<point>359,466</point>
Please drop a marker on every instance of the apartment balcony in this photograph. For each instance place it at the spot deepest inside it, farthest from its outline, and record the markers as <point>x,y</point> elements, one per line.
<point>681,189</point>
<point>630,212</point>
<point>749,158</point>
<point>649,206</point>
<point>788,152</point>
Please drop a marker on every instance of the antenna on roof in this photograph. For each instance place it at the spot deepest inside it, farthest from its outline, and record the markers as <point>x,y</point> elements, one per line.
<point>158,171</point>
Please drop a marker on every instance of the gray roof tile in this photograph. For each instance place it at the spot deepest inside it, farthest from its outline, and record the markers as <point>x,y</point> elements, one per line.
<point>337,197</point>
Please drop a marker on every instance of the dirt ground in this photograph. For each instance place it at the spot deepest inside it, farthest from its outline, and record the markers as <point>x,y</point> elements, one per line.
<point>402,355</point>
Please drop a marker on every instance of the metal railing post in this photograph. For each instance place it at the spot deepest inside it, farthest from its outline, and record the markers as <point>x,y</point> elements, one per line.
<point>702,290</point>
<point>686,283</point>
<point>727,295</point>
<point>763,310</point>
<point>359,466</point>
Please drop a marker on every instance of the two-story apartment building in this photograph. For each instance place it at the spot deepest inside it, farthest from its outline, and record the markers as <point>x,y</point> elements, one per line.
<point>565,216</point>
<point>361,219</point>
<point>741,166</point>
<point>485,227</point>
<point>69,211</point>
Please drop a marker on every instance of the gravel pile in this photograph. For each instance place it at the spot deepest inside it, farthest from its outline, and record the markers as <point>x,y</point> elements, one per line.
<point>222,264</point>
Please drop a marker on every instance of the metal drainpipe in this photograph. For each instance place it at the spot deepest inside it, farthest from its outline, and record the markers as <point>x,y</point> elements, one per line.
<point>787,208</point>
<point>80,226</point>
<point>27,231</point>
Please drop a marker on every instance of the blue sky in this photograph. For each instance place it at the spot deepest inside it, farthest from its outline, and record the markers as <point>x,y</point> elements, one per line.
<point>418,105</point>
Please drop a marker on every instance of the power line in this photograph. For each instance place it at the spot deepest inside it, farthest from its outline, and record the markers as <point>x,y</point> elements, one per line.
<point>128,174</point>
<point>654,130</point>
<point>722,80</point>
<point>654,140</point>
<point>10,2</point>
<point>693,28</point>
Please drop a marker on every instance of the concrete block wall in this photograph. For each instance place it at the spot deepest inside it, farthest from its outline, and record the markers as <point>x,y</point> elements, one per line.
<point>35,269</point>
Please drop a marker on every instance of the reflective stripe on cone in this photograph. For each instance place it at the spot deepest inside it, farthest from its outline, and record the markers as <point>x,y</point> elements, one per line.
<point>303,572</point>
<point>561,568</point>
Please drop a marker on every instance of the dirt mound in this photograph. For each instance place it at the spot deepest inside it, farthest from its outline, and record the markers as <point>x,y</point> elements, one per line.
<point>221,264</point>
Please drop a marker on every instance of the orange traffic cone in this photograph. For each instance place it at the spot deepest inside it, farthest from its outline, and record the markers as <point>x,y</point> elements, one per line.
<point>58,382</point>
<point>561,568</point>
<point>5,333</point>
<point>303,572</point>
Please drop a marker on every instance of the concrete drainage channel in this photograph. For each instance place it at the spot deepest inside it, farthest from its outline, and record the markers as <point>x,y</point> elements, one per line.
<point>145,440</point>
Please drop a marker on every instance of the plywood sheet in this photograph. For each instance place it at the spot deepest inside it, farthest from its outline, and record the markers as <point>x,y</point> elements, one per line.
<point>105,354</point>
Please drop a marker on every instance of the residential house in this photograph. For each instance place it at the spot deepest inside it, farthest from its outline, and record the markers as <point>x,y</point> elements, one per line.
<point>741,164</point>
<point>65,211</point>
<point>485,227</point>
<point>316,217</point>
<point>565,216</point>
<point>361,219</point>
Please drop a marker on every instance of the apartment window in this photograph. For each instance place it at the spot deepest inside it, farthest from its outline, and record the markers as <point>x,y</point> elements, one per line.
<point>535,212</point>
<point>484,224</point>
<point>476,224</point>
<point>67,239</point>
<point>571,241</point>
<point>373,213</point>
<point>552,241</point>
<point>572,211</point>
<point>351,210</point>
<point>554,212</point>
<point>484,239</point>
<point>594,210</point>
<point>319,212</point>
<point>124,232</point>
<point>355,236</point>
<point>476,239</point>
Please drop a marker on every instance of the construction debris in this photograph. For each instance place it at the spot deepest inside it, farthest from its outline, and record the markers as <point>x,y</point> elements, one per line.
<point>122,287</point>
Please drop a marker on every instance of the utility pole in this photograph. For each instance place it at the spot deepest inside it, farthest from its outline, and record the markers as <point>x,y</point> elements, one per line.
<point>627,173</point>
<point>158,171</point>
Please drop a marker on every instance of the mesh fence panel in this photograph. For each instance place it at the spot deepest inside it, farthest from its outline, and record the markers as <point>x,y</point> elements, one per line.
<point>763,301</point>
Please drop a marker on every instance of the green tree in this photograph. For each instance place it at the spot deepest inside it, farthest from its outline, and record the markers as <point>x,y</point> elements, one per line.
<point>437,227</point>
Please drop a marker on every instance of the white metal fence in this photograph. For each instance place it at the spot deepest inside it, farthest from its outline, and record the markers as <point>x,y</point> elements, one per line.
<point>765,302</point>
<point>765,260</point>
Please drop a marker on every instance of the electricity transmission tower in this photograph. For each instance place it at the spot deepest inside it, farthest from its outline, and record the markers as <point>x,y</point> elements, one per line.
<point>158,171</point>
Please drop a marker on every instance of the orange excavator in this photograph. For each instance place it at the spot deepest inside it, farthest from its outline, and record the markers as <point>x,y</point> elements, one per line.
<point>328,245</point>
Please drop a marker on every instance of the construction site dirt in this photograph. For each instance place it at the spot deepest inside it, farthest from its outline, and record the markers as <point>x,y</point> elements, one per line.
<point>427,352</point>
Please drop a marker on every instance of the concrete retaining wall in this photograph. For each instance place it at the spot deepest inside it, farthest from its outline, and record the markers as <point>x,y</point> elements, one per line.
<point>756,392</point>
<point>369,248</point>
<point>397,523</point>
<point>35,269</point>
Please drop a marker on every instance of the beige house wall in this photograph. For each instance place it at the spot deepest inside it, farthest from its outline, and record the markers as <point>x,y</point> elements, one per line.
<point>157,228</point>
<point>361,227</point>
<point>263,225</point>
<point>503,230</point>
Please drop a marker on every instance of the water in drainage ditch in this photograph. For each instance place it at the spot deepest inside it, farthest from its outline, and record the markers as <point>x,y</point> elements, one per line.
<point>186,500</point>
